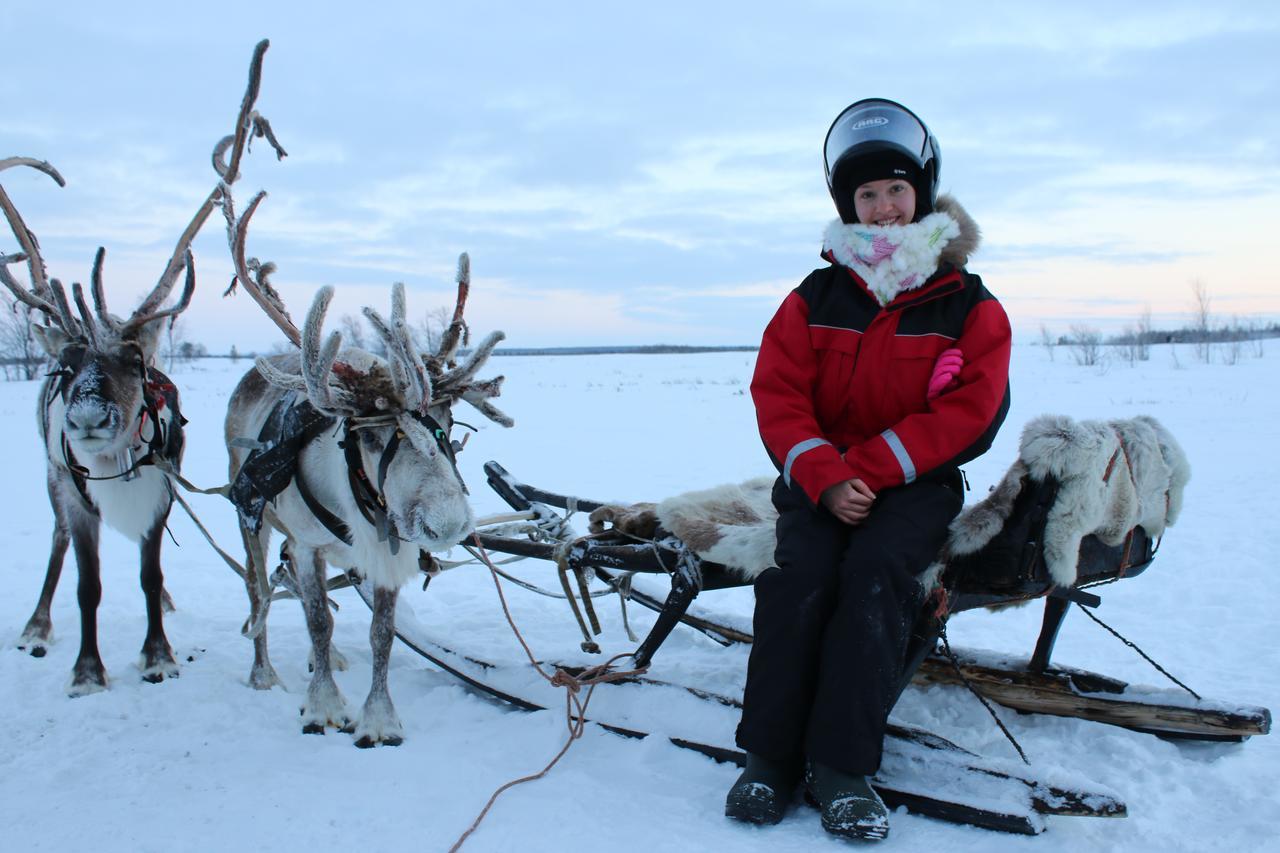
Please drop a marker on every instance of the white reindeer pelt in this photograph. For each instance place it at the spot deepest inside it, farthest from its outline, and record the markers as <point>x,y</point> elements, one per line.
<point>1112,475</point>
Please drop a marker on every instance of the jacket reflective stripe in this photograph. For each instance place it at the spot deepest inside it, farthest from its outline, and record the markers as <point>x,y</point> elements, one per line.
<point>807,444</point>
<point>900,453</point>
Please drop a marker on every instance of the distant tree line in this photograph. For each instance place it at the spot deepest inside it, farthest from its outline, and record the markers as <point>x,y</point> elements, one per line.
<point>1229,340</point>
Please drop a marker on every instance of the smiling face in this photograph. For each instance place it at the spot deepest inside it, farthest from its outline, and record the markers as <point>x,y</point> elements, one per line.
<point>887,202</point>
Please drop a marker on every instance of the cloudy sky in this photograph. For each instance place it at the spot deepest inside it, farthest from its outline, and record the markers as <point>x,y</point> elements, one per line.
<point>648,172</point>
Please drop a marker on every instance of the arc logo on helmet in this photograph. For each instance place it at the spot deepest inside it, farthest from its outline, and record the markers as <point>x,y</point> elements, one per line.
<point>875,121</point>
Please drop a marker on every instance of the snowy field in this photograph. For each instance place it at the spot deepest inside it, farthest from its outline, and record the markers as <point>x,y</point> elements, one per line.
<point>204,763</point>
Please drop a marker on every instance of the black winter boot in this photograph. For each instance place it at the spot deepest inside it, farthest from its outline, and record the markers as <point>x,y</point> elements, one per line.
<point>850,806</point>
<point>763,790</point>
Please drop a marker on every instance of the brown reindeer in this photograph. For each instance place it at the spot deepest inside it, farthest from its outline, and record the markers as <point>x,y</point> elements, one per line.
<point>109,419</point>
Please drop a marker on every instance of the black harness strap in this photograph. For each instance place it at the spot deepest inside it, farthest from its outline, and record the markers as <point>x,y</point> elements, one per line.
<point>332,523</point>
<point>271,465</point>
<point>164,443</point>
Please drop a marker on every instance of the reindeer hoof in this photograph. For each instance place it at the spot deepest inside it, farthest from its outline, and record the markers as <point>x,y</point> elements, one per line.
<point>158,675</point>
<point>84,684</point>
<point>35,640</point>
<point>157,664</point>
<point>369,741</point>
<point>264,678</point>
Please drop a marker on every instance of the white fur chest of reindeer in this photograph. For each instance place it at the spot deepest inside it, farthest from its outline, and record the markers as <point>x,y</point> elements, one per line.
<point>373,485</point>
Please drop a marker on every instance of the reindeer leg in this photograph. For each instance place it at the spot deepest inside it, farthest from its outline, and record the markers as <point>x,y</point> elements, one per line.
<point>325,705</point>
<point>263,675</point>
<point>379,723</point>
<point>88,675</point>
<point>38,634</point>
<point>156,662</point>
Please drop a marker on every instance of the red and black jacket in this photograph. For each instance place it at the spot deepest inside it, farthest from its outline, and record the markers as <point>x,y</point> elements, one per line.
<point>840,381</point>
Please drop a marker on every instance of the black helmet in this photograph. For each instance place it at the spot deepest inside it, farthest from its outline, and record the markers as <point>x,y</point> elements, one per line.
<point>885,137</point>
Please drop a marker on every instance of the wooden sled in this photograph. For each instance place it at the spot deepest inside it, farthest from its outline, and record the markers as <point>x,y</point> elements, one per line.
<point>1010,569</point>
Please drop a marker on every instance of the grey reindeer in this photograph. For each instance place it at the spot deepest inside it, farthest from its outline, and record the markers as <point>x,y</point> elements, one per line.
<point>109,419</point>
<point>349,455</point>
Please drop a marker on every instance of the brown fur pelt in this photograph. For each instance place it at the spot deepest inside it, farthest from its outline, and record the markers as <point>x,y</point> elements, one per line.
<point>632,519</point>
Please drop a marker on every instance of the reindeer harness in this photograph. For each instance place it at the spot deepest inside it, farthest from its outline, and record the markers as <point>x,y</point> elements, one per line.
<point>273,463</point>
<point>158,392</point>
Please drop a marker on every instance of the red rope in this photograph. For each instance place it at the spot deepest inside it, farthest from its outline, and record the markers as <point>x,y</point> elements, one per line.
<point>575,707</point>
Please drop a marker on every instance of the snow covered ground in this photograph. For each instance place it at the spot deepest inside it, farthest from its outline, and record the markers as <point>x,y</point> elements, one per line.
<point>204,763</point>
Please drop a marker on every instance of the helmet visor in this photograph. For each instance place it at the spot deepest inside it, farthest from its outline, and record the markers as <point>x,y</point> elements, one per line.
<point>876,126</point>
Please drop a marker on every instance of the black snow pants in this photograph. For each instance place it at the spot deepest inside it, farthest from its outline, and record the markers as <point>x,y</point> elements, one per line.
<point>832,623</point>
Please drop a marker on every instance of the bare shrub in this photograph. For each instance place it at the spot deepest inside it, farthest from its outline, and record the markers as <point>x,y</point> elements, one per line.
<point>20,354</point>
<point>1233,339</point>
<point>1086,345</point>
<point>356,334</point>
<point>1047,340</point>
<point>430,329</point>
<point>1200,318</point>
<point>1144,334</point>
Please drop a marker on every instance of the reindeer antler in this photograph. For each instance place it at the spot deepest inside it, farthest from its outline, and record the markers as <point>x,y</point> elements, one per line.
<point>457,382</point>
<point>248,124</point>
<point>457,334</point>
<point>48,296</point>
<point>408,373</point>
<point>41,295</point>
<point>250,272</point>
<point>338,388</point>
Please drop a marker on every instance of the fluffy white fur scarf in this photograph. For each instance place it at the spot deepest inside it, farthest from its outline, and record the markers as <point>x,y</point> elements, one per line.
<point>733,525</point>
<point>898,258</point>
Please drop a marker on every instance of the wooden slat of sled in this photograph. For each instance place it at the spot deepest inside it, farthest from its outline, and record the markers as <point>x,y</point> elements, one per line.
<point>1053,692</point>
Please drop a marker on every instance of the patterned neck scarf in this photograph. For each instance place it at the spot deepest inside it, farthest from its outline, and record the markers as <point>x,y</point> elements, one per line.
<point>891,259</point>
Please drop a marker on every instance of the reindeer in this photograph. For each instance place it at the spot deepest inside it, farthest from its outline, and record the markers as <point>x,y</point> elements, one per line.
<point>109,419</point>
<point>105,413</point>
<point>348,455</point>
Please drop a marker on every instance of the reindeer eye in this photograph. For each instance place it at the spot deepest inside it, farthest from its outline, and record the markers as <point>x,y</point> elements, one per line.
<point>71,356</point>
<point>368,439</point>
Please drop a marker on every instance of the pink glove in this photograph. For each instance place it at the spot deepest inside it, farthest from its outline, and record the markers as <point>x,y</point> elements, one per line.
<point>946,373</point>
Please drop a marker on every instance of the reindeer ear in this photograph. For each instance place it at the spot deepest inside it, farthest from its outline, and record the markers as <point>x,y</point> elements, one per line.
<point>148,337</point>
<point>52,339</point>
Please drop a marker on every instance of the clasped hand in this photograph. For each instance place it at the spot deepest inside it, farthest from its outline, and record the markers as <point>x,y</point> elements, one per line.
<point>849,501</point>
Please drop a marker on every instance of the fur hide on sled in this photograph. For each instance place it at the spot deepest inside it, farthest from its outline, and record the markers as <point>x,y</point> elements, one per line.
<point>1112,476</point>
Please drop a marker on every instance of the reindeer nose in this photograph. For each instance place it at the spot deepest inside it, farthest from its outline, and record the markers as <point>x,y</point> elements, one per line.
<point>85,420</point>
